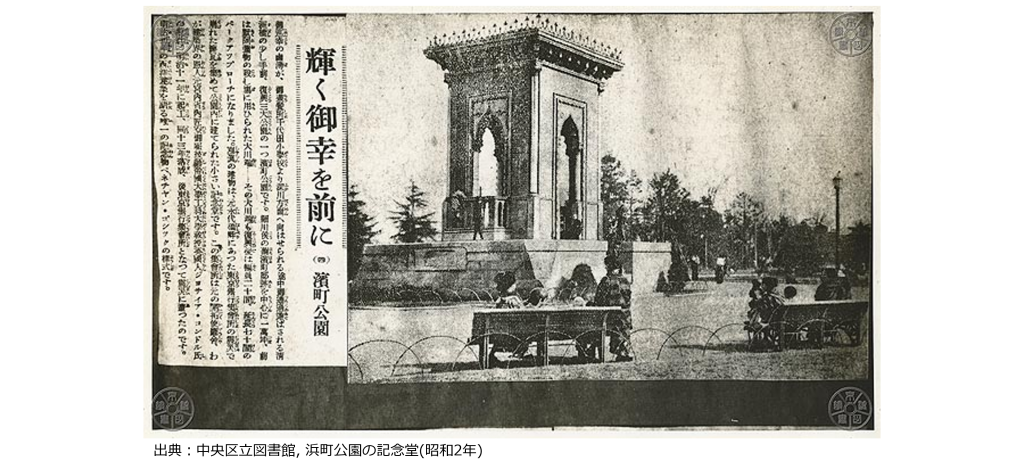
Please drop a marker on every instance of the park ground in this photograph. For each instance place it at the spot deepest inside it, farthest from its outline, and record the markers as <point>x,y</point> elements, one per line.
<point>427,343</point>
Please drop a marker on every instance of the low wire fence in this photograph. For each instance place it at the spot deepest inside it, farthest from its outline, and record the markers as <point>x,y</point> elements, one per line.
<point>387,359</point>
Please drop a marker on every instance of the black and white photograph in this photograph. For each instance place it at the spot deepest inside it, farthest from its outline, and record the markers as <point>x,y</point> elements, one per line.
<point>610,197</point>
<point>541,214</point>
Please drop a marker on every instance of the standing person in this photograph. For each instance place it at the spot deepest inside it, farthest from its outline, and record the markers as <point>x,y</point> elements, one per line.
<point>478,218</point>
<point>720,269</point>
<point>677,272</point>
<point>457,205</point>
<point>695,267</point>
<point>575,229</point>
<point>662,285</point>
<point>620,225</point>
<point>614,290</point>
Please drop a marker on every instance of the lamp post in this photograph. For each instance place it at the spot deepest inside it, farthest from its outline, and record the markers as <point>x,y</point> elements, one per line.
<point>704,229</point>
<point>837,182</point>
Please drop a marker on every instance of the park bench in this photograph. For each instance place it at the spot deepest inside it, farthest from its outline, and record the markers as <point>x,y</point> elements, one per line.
<point>515,329</point>
<point>841,322</point>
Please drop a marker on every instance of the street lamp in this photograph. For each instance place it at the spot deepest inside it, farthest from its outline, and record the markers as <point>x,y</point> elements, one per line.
<point>837,182</point>
<point>704,228</point>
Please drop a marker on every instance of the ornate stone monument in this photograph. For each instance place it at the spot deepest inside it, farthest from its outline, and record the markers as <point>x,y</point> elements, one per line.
<point>524,167</point>
<point>524,120</point>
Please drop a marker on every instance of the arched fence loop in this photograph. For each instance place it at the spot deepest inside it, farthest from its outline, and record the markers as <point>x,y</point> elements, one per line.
<point>714,335</point>
<point>406,349</point>
<point>417,342</point>
<point>358,367</point>
<point>671,336</point>
<point>639,332</point>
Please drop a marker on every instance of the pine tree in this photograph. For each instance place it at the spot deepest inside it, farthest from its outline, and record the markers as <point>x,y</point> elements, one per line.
<point>414,225</point>
<point>665,210</point>
<point>620,200</point>
<point>634,203</point>
<point>745,216</point>
<point>614,195</point>
<point>360,230</point>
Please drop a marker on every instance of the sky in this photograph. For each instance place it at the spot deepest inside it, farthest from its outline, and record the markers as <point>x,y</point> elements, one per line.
<point>756,103</point>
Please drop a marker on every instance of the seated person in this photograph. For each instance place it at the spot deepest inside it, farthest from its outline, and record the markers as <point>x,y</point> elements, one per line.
<point>507,297</point>
<point>583,284</point>
<point>535,298</point>
<point>834,286</point>
<point>754,293</point>
<point>764,303</point>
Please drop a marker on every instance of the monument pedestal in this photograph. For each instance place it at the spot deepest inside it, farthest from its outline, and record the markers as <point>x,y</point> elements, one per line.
<point>473,264</point>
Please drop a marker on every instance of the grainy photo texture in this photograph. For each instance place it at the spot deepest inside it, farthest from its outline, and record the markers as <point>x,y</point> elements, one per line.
<point>627,197</point>
<point>366,221</point>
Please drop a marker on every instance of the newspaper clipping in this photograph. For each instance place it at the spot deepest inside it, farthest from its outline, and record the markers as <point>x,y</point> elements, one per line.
<point>514,220</point>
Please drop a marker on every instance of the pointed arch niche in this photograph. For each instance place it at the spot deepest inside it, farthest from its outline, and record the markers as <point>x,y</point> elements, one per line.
<point>489,146</point>
<point>569,178</point>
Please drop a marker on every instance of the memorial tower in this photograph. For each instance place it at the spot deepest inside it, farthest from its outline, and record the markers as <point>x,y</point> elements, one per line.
<point>524,126</point>
<point>524,166</point>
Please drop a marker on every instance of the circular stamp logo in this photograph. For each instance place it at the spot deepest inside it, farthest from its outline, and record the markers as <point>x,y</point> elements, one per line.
<point>850,408</point>
<point>851,34</point>
<point>172,409</point>
<point>172,34</point>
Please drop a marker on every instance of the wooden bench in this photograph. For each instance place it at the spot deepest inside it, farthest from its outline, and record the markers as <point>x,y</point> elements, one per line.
<point>516,328</point>
<point>816,322</point>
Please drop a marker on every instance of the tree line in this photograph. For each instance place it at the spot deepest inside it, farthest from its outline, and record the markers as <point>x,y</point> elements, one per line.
<point>665,211</point>
<point>662,210</point>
